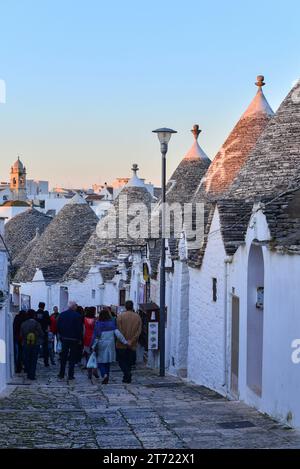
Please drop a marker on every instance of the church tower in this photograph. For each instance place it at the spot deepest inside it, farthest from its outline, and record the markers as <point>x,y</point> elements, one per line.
<point>18,181</point>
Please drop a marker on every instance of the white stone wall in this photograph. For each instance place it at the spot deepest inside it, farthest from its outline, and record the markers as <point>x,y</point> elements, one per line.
<point>281,377</point>
<point>10,212</point>
<point>6,343</point>
<point>206,362</point>
<point>178,320</point>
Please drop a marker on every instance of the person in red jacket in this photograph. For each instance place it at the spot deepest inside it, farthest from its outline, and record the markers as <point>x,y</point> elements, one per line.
<point>89,326</point>
<point>53,320</point>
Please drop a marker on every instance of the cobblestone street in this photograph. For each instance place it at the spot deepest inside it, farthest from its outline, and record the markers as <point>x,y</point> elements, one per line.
<point>150,413</point>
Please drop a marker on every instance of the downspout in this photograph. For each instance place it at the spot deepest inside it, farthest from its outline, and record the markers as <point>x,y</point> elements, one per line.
<point>49,298</point>
<point>227,260</point>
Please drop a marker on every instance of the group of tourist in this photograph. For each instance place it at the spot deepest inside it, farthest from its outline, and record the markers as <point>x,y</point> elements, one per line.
<point>77,334</point>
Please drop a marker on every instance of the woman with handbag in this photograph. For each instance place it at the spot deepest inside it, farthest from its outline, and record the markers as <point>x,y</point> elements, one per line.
<point>104,345</point>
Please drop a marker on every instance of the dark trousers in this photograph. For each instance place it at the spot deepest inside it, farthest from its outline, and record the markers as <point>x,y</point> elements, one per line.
<point>69,350</point>
<point>31,353</point>
<point>125,358</point>
<point>45,349</point>
<point>18,351</point>
<point>51,352</point>
<point>104,369</point>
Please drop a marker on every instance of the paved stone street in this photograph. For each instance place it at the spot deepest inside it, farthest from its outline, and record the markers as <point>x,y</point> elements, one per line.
<point>150,413</point>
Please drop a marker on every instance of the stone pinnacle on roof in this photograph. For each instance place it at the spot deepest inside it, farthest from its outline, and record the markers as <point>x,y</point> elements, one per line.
<point>135,181</point>
<point>259,104</point>
<point>196,151</point>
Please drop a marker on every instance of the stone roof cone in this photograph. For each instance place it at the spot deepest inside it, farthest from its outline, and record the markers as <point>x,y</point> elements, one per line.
<point>237,147</point>
<point>56,249</point>
<point>188,174</point>
<point>274,164</point>
<point>21,229</point>
<point>98,250</point>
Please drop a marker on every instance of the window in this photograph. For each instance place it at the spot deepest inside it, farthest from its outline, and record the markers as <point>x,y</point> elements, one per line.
<point>214,289</point>
<point>93,294</point>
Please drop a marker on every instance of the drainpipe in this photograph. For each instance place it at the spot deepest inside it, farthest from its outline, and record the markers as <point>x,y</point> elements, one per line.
<point>227,260</point>
<point>49,298</point>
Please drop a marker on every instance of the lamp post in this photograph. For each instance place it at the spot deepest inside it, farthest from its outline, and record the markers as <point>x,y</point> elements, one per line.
<point>164,136</point>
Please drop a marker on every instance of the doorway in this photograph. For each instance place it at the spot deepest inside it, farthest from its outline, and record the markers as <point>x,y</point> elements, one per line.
<point>255,319</point>
<point>63,298</point>
<point>235,343</point>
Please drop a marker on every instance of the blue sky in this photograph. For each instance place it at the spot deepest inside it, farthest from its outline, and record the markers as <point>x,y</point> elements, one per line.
<point>87,81</point>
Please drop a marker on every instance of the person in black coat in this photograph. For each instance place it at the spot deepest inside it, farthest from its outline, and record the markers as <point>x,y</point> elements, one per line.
<point>18,346</point>
<point>43,318</point>
<point>70,330</point>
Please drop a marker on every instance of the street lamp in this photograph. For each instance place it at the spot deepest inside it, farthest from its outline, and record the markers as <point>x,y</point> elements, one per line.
<point>164,136</point>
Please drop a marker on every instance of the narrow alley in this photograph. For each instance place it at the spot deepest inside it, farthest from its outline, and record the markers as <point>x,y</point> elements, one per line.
<point>150,413</point>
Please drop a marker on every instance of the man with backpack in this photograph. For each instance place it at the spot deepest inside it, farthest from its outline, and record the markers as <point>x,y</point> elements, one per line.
<point>32,337</point>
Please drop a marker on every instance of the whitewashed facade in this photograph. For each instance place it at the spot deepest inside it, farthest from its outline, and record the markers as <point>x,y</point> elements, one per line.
<point>6,339</point>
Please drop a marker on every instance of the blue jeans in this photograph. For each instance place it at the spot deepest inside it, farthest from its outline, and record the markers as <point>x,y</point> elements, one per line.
<point>31,353</point>
<point>104,369</point>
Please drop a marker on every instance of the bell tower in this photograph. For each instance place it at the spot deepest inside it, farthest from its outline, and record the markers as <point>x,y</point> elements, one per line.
<point>18,181</point>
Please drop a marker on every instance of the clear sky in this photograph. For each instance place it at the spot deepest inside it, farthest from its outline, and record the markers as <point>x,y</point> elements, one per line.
<point>87,81</point>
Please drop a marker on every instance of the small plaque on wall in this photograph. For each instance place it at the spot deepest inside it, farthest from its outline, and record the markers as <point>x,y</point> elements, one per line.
<point>260,297</point>
<point>153,336</point>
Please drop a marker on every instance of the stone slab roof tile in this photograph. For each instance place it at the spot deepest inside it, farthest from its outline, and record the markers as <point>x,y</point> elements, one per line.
<point>21,229</point>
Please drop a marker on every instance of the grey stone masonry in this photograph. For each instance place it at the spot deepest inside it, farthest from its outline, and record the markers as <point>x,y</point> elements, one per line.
<point>151,413</point>
<point>97,249</point>
<point>21,229</point>
<point>58,246</point>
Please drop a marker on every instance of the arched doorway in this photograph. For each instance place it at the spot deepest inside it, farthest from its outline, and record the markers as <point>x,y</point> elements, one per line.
<point>63,298</point>
<point>255,319</point>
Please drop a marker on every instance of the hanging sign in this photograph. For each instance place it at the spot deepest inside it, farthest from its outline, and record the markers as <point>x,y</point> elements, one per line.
<point>153,336</point>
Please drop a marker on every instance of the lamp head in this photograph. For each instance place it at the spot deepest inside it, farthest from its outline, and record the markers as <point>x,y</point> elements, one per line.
<point>164,134</point>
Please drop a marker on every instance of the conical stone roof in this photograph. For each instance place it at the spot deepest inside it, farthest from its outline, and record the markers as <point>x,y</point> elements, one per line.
<point>21,229</point>
<point>180,189</point>
<point>60,243</point>
<point>232,156</point>
<point>274,164</point>
<point>98,250</point>
<point>20,259</point>
<point>237,147</point>
<point>188,174</point>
